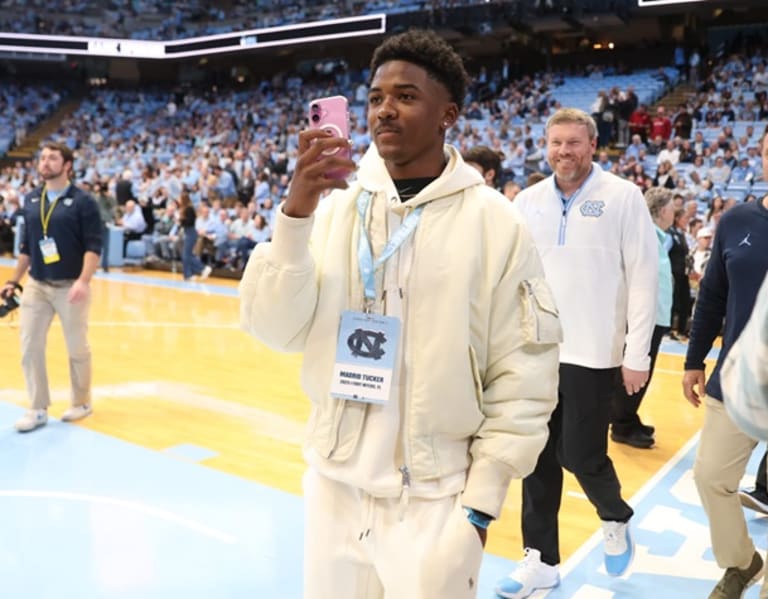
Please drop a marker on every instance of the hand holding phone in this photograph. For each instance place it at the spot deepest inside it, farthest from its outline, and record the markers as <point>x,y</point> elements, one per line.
<point>331,115</point>
<point>324,156</point>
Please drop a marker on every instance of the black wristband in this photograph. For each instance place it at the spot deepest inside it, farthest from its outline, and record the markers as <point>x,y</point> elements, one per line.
<point>15,284</point>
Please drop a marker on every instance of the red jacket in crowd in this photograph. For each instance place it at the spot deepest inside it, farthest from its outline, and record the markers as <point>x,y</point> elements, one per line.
<point>661,126</point>
<point>640,123</point>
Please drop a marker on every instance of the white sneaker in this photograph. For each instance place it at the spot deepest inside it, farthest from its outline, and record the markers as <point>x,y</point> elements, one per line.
<point>618,546</point>
<point>31,420</point>
<point>207,270</point>
<point>531,574</point>
<point>77,413</point>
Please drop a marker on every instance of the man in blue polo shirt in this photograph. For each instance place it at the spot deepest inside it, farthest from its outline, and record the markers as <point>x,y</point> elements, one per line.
<point>60,248</point>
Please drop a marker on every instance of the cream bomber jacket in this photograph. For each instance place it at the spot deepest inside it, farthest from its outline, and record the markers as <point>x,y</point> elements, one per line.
<point>480,333</point>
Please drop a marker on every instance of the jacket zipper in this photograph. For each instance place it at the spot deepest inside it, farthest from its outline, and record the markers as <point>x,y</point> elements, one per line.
<point>404,470</point>
<point>563,224</point>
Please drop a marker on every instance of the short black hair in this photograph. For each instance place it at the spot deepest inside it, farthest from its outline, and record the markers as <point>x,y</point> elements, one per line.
<point>429,51</point>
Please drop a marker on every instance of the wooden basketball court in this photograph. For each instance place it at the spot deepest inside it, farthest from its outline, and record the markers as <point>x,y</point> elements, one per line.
<point>172,368</point>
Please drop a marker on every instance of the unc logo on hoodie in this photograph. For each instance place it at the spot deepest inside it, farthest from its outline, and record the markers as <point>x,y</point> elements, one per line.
<point>590,208</point>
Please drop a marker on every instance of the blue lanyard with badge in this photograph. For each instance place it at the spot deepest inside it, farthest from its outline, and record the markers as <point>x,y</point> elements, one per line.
<point>367,344</point>
<point>48,244</point>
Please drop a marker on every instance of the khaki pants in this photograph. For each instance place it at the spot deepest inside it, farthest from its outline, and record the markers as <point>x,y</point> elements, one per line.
<point>39,302</point>
<point>720,464</point>
<point>360,547</point>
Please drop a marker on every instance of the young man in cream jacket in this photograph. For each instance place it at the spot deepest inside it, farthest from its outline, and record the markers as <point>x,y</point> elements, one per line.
<point>599,250</point>
<point>429,339</point>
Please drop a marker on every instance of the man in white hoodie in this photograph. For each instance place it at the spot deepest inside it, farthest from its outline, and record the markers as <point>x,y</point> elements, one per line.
<point>598,246</point>
<point>429,339</point>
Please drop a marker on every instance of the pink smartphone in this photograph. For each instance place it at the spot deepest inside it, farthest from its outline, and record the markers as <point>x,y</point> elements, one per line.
<point>331,114</point>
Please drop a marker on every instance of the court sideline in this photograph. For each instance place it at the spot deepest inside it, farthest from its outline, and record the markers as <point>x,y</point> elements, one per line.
<point>187,477</point>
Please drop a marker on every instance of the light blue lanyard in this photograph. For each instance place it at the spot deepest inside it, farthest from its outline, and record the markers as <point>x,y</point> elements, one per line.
<point>364,256</point>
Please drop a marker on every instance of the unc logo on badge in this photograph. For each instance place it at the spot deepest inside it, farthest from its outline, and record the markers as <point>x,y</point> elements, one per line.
<point>590,208</point>
<point>367,344</point>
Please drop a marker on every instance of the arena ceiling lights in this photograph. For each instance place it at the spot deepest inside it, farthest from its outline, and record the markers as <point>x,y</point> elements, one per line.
<point>646,3</point>
<point>196,46</point>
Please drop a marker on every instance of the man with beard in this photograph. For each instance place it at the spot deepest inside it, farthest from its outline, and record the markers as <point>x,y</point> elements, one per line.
<point>599,249</point>
<point>60,248</point>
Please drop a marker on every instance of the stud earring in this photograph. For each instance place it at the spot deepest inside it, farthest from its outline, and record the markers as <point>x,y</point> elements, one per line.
<point>446,124</point>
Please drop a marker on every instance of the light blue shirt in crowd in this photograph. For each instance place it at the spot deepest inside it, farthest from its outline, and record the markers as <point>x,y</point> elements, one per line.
<point>135,220</point>
<point>664,299</point>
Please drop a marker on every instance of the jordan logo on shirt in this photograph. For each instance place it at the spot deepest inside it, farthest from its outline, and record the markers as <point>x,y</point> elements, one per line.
<point>746,241</point>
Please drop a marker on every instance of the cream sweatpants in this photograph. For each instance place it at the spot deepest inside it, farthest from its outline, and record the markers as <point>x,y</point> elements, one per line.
<point>357,546</point>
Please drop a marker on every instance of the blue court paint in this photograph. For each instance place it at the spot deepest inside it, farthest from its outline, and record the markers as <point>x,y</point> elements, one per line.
<point>190,452</point>
<point>85,515</point>
<point>89,516</point>
<point>105,519</point>
<point>673,558</point>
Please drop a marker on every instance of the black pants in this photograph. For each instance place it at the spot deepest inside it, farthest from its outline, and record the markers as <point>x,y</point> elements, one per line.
<point>130,236</point>
<point>6,238</point>
<point>105,247</point>
<point>761,482</point>
<point>578,441</point>
<point>624,416</point>
<point>681,302</point>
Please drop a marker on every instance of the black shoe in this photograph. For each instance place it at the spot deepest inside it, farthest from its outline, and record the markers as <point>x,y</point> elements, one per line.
<point>647,429</point>
<point>634,438</point>
<point>756,499</point>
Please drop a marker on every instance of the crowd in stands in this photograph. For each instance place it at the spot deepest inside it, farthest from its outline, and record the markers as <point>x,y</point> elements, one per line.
<point>706,150</point>
<point>165,20</point>
<point>22,107</point>
<point>234,151</point>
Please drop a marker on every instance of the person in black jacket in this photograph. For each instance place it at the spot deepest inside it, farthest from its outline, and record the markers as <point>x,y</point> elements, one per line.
<point>60,248</point>
<point>6,229</point>
<point>728,291</point>
<point>678,257</point>
<point>190,263</point>
<point>682,124</point>
<point>124,188</point>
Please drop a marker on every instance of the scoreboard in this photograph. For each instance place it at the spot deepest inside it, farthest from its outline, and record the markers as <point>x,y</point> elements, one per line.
<point>236,41</point>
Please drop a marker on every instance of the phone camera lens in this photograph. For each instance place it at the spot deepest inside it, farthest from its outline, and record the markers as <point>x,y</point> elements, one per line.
<point>315,118</point>
<point>315,108</point>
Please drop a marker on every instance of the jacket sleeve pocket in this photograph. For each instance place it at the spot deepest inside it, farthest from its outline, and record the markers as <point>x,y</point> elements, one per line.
<point>541,321</point>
